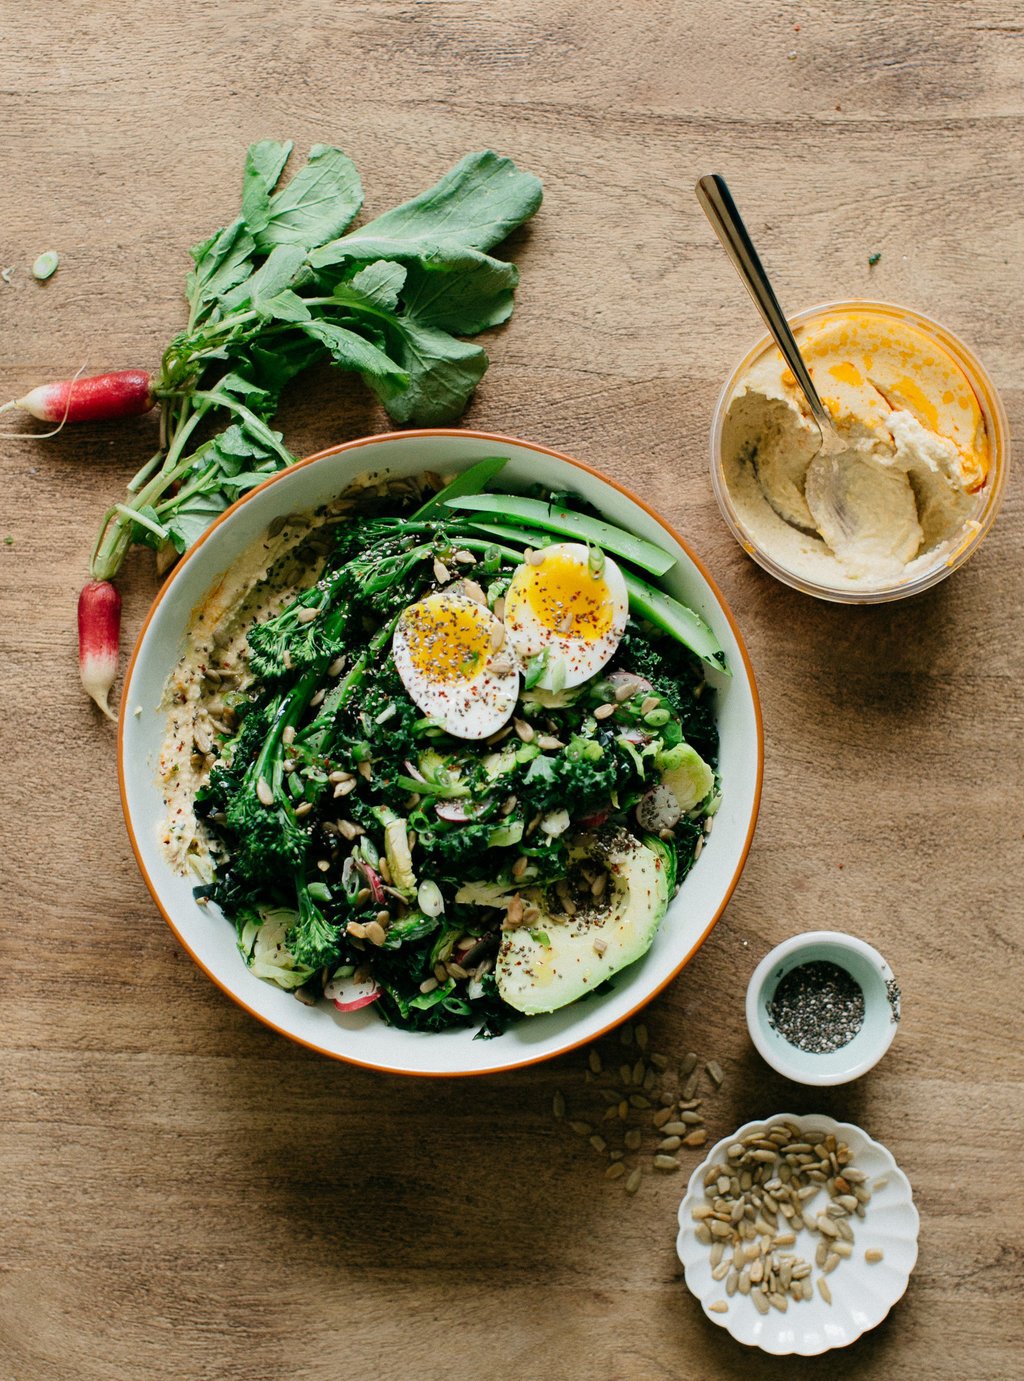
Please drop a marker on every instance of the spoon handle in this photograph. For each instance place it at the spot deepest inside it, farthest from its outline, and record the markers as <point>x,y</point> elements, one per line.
<point>720,209</point>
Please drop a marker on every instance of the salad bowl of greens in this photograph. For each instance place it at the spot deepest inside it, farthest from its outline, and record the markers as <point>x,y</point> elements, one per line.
<point>440,753</point>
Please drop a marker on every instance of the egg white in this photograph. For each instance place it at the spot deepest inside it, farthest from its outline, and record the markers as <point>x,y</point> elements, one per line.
<point>449,653</point>
<point>559,606</point>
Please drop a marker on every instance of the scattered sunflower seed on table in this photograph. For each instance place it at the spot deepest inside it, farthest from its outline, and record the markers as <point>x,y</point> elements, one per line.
<point>645,1106</point>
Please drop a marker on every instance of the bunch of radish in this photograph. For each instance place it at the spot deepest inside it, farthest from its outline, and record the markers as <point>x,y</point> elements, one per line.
<point>124,393</point>
<point>262,306</point>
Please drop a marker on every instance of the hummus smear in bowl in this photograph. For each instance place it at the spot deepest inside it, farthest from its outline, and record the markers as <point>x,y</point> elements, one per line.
<point>206,800</point>
<point>918,483</point>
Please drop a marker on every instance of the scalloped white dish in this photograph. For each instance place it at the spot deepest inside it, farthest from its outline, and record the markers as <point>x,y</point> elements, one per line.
<point>862,1292</point>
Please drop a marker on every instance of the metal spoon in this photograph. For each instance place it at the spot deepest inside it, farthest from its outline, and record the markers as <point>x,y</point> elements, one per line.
<point>720,209</point>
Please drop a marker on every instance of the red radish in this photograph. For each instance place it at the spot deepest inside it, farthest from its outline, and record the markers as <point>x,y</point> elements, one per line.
<point>358,1002</point>
<point>349,994</point>
<point>99,633</point>
<point>623,679</point>
<point>125,393</point>
<point>373,881</point>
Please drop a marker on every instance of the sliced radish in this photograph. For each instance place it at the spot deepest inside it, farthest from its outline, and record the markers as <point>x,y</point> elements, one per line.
<point>373,881</point>
<point>349,994</point>
<point>621,679</point>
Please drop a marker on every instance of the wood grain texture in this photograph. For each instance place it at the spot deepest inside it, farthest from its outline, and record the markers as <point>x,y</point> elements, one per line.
<point>187,1195</point>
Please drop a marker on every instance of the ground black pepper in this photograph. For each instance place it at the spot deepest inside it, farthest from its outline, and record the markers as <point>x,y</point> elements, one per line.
<point>817,1007</point>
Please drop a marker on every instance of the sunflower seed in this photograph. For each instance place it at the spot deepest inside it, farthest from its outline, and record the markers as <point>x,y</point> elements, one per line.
<point>689,1064</point>
<point>599,1144</point>
<point>760,1301</point>
<point>662,1162</point>
<point>823,1290</point>
<point>633,1184</point>
<point>714,1069</point>
<point>671,1143</point>
<point>581,1128</point>
<point>558,1104</point>
<point>615,1170</point>
<point>603,711</point>
<point>873,1254</point>
<point>633,1138</point>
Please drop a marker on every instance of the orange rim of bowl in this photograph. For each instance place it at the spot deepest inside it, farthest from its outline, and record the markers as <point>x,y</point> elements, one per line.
<point>356,445</point>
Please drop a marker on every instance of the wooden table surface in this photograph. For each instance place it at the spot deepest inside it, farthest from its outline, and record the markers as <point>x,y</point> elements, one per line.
<point>188,1195</point>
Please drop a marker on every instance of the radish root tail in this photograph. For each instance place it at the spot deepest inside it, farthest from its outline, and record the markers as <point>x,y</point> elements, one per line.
<point>42,436</point>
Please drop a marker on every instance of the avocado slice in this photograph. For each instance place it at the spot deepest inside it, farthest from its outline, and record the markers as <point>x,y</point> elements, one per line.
<point>558,958</point>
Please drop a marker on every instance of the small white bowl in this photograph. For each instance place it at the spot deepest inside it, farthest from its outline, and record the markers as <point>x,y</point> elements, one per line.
<point>862,1292</point>
<point>881,1008</point>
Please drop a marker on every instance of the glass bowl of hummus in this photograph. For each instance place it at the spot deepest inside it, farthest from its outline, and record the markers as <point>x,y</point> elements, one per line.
<point>921,476</point>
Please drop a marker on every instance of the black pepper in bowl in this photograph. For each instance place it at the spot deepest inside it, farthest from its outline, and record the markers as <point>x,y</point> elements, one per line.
<point>818,1007</point>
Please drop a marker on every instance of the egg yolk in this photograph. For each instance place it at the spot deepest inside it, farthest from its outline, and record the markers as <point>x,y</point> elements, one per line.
<point>448,640</point>
<point>565,598</point>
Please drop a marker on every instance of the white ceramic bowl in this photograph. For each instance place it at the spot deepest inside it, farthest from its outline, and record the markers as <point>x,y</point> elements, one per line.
<point>881,1007</point>
<point>862,1292</point>
<point>362,1037</point>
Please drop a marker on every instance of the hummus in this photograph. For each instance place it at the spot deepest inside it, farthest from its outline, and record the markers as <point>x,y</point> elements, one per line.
<point>905,489</point>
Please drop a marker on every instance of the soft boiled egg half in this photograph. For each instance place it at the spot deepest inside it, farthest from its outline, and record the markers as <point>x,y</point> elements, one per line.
<point>570,603</point>
<point>449,652</point>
